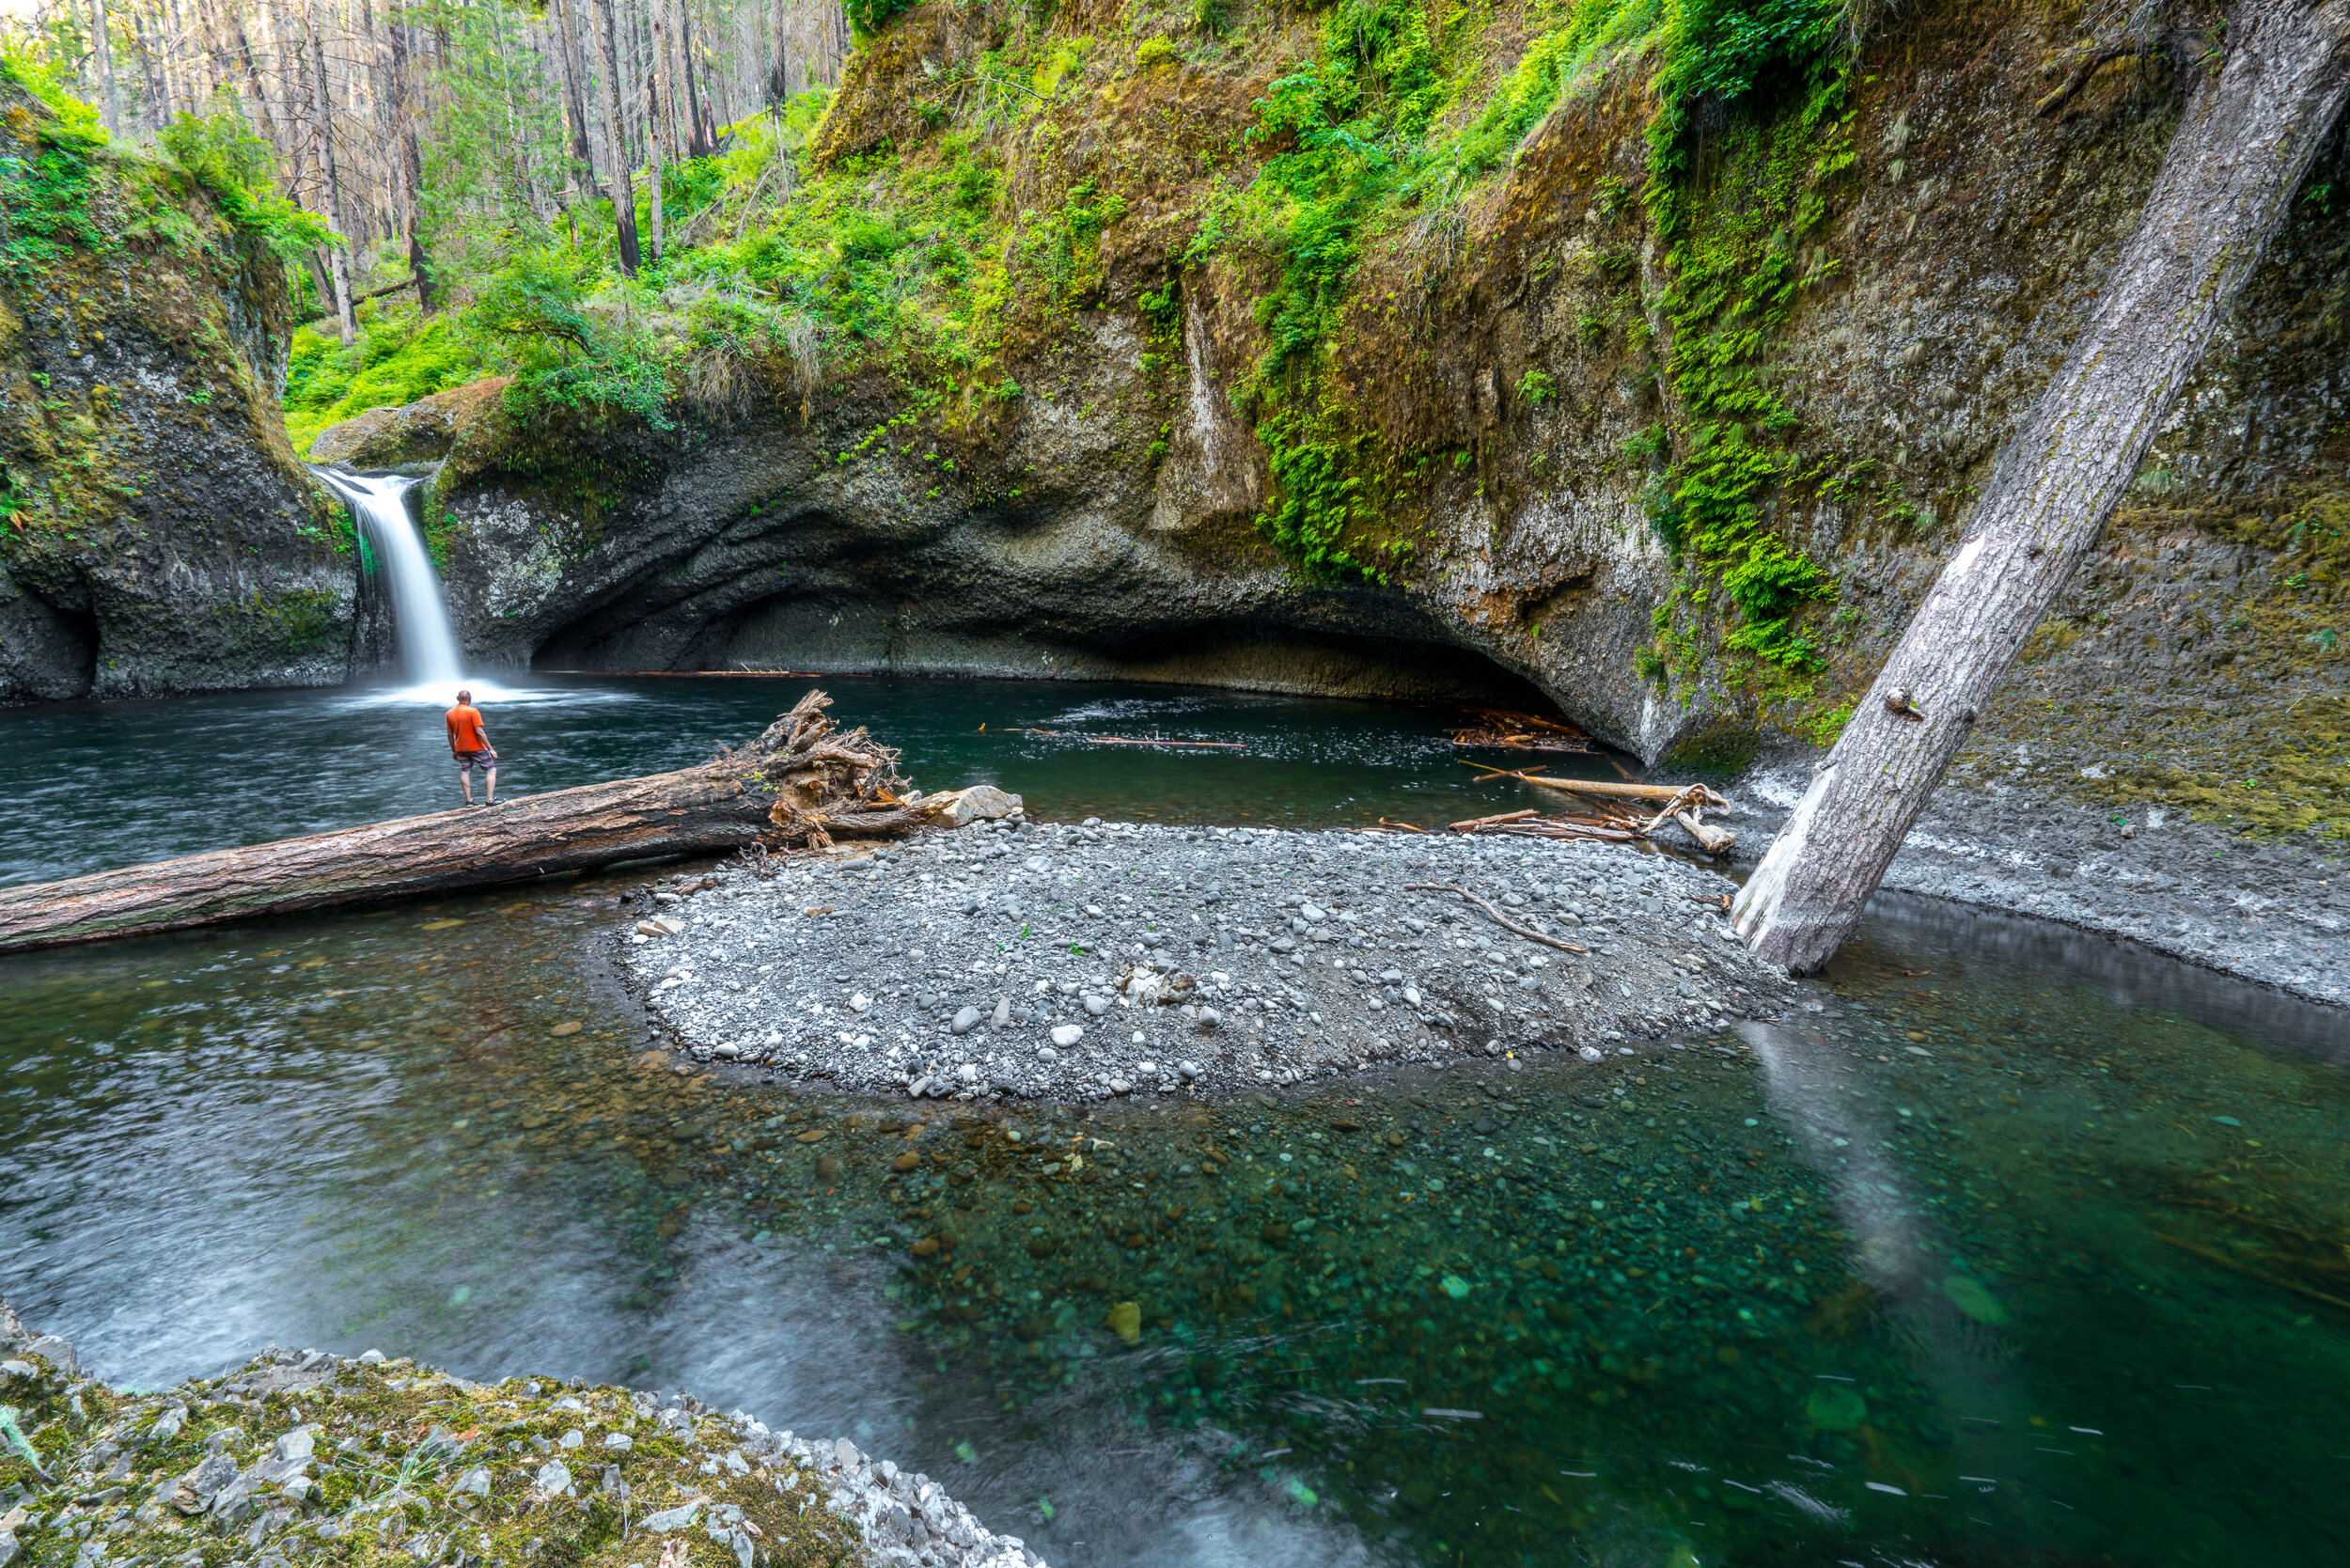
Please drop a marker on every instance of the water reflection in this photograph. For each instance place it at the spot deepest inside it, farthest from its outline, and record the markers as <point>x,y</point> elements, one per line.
<point>1973,1265</point>
<point>354,755</point>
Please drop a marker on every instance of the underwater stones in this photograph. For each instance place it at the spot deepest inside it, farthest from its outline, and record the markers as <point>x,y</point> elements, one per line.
<point>1972,1297</point>
<point>1124,1319</point>
<point>1836,1407</point>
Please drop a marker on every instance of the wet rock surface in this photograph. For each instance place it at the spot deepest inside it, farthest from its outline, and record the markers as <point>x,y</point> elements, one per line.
<point>1082,961</point>
<point>305,1456</point>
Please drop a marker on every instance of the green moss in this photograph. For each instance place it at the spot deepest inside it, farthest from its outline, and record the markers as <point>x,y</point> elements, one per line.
<point>288,625</point>
<point>400,356</point>
<point>1718,750</point>
<point>391,1443</point>
<point>2298,782</point>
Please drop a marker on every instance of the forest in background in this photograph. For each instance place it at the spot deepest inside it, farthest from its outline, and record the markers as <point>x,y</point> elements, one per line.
<point>640,205</point>
<point>445,145</point>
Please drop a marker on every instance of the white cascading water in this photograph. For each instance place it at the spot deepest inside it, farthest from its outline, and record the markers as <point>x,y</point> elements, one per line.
<point>428,647</point>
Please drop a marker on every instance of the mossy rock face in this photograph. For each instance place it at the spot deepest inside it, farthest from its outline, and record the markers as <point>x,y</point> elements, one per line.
<point>158,536</point>
<point>1721,751</point>
<point>420,433</point>
<point>1094,482</point>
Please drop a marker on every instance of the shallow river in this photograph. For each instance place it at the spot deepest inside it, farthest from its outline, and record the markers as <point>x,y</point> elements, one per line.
<point>2022,1248</point>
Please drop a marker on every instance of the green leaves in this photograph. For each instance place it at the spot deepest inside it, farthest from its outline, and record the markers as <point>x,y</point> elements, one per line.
<point>572,354</point>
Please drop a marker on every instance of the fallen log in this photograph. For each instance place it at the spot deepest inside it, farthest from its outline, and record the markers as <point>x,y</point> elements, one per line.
<point>1595,787</point>
<point>797,784</point>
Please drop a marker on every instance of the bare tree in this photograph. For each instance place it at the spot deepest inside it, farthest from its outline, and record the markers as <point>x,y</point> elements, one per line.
<point>623,198</point>
<point>103,54</point>
<point>337,259</point>
<point>411,166</point>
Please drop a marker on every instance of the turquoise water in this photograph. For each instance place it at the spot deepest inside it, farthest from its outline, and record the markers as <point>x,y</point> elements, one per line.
<point>252,766</point>
<point>2085,1267</point>
<point>2022,1248</point>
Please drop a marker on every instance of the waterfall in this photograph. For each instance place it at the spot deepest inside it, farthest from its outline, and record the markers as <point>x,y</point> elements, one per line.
<point>427,646</point>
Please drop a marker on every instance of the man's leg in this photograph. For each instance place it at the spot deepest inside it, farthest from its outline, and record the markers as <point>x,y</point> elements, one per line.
<point>489,780</point>
<point>465,777</point>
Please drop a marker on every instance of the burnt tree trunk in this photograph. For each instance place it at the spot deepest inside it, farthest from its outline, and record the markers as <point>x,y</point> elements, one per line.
<point>607,42</point>
<point>2232,169</point>
<point>798,783</point>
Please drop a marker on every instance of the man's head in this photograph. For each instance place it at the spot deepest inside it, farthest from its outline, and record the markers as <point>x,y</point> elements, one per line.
<point>464,697</point>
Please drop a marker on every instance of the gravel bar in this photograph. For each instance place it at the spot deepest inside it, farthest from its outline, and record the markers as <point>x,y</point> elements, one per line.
<point>302,1457</point>
<point>1009,959</point>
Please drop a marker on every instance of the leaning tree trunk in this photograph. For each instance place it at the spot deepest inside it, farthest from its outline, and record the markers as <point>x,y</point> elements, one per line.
<point>798,783</point>
<point>2232,169</point>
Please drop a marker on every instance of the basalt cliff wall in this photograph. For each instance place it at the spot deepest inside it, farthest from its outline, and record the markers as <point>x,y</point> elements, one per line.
<point>156,534</point>
<point>1501,412</point>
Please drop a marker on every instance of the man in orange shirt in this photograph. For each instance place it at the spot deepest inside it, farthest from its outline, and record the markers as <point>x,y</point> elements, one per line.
<point>470,744</point>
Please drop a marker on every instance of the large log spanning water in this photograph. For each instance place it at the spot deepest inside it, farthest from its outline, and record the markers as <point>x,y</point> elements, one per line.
<point>798,782</point>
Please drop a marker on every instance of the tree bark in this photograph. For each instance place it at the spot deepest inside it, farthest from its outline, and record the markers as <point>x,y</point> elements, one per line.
<point>411,165</point>
<point>702,129</point>
<point>252,81</point>
<point>2239,153</point>
<point>567,58</point>
<point>615,149</point>
<point>657,125</point>
<point>797,782</point>
<point>338,261</point>
<point>103,52</point>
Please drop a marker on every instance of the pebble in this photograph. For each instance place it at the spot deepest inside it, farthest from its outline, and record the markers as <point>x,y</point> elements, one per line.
<point>1237,957</point>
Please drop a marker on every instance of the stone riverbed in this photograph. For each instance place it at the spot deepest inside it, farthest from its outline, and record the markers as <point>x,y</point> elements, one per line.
<point>1077,962</point>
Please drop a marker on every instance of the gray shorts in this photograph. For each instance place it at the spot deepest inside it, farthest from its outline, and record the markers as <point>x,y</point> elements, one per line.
<point>484,760</point>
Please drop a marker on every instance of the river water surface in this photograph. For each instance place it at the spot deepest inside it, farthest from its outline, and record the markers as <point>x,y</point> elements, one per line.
<point>2011,1246</point>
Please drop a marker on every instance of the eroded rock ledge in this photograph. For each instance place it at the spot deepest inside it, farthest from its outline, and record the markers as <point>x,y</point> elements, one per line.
<point>301,1456</point>
<point>1077,962</point>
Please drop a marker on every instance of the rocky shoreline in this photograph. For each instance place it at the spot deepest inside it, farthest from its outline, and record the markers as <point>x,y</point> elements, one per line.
<point>1073,962</point>
<point>300,1456</point>
<point>2277,913</point>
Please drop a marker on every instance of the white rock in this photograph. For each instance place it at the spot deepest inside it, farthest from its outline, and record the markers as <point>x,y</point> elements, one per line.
<point>979,803</point>
<point>1068,1034</point>
<point>860,1002</point>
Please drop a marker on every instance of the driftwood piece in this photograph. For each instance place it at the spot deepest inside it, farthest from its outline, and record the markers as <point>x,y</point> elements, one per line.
<point>799,782</point>
<point>1475,823</point>
<point>1606,791</point>
<point>1499,918</point>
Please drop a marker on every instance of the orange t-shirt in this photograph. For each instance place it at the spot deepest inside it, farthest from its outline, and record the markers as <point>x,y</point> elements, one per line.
<point>465,729</point>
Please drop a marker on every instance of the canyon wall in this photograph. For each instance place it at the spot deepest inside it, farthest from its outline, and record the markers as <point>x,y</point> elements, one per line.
<point>156,534</point>
<point>1502,400</point>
